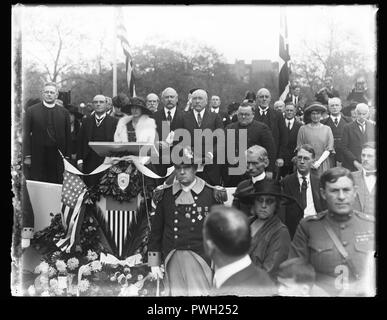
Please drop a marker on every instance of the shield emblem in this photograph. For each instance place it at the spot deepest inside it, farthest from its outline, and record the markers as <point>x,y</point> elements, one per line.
<point>123,180</point>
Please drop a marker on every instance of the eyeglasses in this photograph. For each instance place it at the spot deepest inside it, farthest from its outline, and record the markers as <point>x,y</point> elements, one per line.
<point>100,101</point>
<point>299,158</point>
<point>49,92</point>
<point>263,96</point>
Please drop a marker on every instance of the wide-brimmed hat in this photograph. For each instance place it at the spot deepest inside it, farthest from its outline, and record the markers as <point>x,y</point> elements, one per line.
<point>136,102</point>
<point>264,187</point>
<point>315,106</point>
<point>74,110</point>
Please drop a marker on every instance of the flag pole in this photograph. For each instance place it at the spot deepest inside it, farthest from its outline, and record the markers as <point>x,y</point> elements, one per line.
<point>115,56</point>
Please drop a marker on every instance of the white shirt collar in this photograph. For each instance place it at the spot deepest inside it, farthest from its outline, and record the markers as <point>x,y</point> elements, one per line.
<point>52,105</point>
<point>299,175</point>
<point>216,110</point>
<point>188,188</point>
<point>291,121</point>
<point>201,114</point>
<point>173,110</point>
<point>334,117</point>
<point>259,177</point>
<point>100,117</point>
<point>263,110</point>
<point>222,274</point>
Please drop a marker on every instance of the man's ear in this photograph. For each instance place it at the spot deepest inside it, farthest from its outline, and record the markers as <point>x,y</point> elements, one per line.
<point>266,162</point>
<point>322,193</point>
<point>209,246</point>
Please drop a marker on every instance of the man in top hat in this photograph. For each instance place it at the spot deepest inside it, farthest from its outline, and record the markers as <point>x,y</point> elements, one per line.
<point>270,237</point>
<point>152,102</point>
<point>201,120</point>
<point>226,235</point>
<point>97,127</point>
<point>304,187</point>
<point>336,121</point>
<point>366,179</point>
<point>355,135</point>
<point>176,234</point>
<point>46,130</point>
<point>339,242</point>
<point>274,120</point>
<point>215,107</point>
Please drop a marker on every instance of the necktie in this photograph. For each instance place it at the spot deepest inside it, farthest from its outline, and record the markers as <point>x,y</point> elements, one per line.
<point>289,125</point>
<point>336,122</point>
<point>362,129</point>
<point>98,121</point>
<point>199,119</point>
<point>304,186</point>
<point>169,117</point>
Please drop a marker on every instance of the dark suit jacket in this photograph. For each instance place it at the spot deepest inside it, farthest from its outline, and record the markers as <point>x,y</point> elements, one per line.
<point>337,133</point>
<point>212,121</point>
<point>85,134</point>
<point>293,211</point>
<point>277,127</point>
<point>177,122</point>
<point>34,132</point>
<point>292,141</point>
<point>224,117</point>
<point>250,281</point>
<point>353,140</point>
<point>300,101</point>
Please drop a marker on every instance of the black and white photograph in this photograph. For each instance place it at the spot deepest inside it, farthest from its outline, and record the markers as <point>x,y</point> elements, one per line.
<point>194,151</point>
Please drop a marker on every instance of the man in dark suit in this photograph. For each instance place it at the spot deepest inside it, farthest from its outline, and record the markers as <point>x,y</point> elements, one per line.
<point>257,134</point>
<point>227,237</point>
<point>304,187</point>
<point>168,119</point>
<point>295,97</point>
<point>336,121</point>
<point>292,126</point>
<point>199,119</point>
<point>97,127</point>
<point>275,121</point>
<point>355,135</point>
<point>46,130</point>
<point>328,91</point>
<point>215,107</point>
<point>257,161</point>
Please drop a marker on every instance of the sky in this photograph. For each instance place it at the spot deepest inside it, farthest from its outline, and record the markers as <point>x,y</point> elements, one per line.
<point>238,32</point>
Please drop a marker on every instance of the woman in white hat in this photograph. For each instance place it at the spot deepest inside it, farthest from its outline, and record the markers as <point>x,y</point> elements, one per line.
<point>319,136</point>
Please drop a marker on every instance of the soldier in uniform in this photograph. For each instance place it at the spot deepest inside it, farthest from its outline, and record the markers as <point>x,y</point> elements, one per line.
<point>176,230</point>
<point>338,242</point>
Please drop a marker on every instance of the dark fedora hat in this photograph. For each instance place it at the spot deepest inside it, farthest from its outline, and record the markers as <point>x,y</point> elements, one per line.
<point>136,102</point>
<point>265,187</point>
<point>74,110</point>
<point>315,106</point>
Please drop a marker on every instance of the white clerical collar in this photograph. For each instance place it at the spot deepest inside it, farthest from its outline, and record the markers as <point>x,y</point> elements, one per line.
<point>49,105</point>
<point>216,110</point>
<point>222,274</point>
<point>172,110</point>
<point>259,177</point>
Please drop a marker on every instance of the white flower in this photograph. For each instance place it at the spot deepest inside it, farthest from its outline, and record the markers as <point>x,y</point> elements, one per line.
<point>96,266</point>
<point>60,265</point>
<point>58,291</point>
<point>42,267</point>
<point>128,276</point>
<point>91,255</point>
<point>129,291</point>
<point>54,283</point>
<point>72,263</point>
<point>83,285</point>
<point>51,272</point>
<point>31,290</point>
<point>45,293</point>
<point>86,271</point>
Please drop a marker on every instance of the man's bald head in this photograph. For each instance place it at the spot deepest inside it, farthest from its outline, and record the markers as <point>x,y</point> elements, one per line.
<point>169,98</point>
<point>228,229</point>
<point>362,112</point>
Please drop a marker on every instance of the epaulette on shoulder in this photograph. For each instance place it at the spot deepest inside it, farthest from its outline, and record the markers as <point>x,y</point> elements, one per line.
<point>364,216</point>
<point>316,217</point>
<point>220,193</point>
<point>159,192</point>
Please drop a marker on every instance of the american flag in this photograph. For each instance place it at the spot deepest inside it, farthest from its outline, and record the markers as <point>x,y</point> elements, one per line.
<point>283,87</point>
<point>73,192</point>
<point>122,36</point>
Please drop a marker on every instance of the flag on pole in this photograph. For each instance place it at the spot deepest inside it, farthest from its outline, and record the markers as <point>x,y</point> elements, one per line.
<point>73,192</point>
<point>122,36</point>
<point>283,88</point>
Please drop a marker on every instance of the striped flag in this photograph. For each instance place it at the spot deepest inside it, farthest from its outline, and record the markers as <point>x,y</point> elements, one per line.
<point>122,36</point>
<point>283,88</point>
<point>73,192</point>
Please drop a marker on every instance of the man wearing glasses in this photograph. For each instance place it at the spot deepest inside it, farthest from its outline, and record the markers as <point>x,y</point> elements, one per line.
<point>96,127</point>
<point>46,130</point>
<point>275,121</point>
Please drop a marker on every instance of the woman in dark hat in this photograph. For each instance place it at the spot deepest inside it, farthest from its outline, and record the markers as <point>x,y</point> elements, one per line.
<point>75,125</point>
<point>270,241</point>
<point>136,125</point>
<point>319,136</point>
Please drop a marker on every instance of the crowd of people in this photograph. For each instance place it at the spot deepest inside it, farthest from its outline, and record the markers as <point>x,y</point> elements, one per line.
<point>302,217</point>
